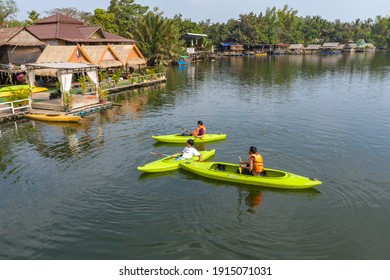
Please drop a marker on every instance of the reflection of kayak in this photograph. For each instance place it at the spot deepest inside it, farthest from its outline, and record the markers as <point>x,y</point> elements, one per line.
<point>170,163</point>
<point>178,138</point>
<point>228,172</point>
<point>53,118</point>
<point>7,91</point>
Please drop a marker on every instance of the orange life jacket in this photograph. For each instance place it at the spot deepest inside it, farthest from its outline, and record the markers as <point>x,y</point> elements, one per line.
<point>258,165</point>
<point>196,131</point>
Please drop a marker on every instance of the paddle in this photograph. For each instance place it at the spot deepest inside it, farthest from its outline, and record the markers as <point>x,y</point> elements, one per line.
<point>189,132</point>
<point>240,168</point>
<point>165,155</point>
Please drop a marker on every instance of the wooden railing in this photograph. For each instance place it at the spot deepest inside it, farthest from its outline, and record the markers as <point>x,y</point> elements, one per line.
<point>133,80</point>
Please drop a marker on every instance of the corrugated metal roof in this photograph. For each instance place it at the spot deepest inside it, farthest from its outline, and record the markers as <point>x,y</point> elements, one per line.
<point>61,27</point>
<point>87,31</point>
<point>59,18</point>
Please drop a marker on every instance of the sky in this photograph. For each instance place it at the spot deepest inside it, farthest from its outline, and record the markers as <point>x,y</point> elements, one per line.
<point>223,10</point>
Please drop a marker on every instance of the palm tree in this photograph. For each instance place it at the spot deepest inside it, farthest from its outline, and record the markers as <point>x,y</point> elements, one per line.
<point>158,38</point>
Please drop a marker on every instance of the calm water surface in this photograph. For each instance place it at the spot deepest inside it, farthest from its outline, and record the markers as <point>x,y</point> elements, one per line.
<point>73,191</point>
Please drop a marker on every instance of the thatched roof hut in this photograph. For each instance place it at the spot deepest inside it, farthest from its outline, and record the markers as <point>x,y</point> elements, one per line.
<point>19,46</point>
<point>57,54</point>
<point>104,56</point>
<point>130,55</point>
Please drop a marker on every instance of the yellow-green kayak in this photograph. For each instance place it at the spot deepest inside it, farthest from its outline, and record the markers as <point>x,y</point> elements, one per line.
<point>228,172</point>
<point>170,163</point>
<point>178,138</point>
<point>8,90</point>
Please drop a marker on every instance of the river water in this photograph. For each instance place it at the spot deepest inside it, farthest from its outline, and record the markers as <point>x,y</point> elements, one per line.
<point>73,191</point>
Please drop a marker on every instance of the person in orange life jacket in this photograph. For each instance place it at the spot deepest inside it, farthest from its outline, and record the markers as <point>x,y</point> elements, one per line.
<point>254,165</point>
<point>189,151</point>
<point>199,132</point>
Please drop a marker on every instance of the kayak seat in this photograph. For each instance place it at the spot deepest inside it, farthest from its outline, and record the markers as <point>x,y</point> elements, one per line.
<point>221,167</point>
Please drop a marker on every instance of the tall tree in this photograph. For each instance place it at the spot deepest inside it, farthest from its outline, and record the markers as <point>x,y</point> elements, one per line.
<point>157,37</point>
<point>8,9</point>
<point>126,12</point>
<point>381,32</point>
<point>33,17</point>
<point>106,20</point>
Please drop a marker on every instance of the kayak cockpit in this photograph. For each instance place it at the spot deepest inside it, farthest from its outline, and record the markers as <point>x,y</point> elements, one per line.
<point>232,168</point>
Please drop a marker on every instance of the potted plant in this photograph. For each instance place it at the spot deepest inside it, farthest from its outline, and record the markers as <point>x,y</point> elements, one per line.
<point>116,77</point>
<point>68,100</point>
<point>83,84</point>
<point>102,95</point>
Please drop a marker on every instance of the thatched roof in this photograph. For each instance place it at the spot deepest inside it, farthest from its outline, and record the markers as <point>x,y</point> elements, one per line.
<point>313,47</point>
<point>331,45</point>
<point>104,56</point>
<point>295,46</point>
<point>129,54</point>
<point>56,54</point>
<point>51,69</point>
<point>61,54</point>
<point>18,36</point>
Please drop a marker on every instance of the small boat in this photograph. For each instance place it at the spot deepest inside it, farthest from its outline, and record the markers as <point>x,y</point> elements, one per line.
<point>180,139</point>
<point>53,118</point>
<point>183,60</point>
<point>7,91</point>
<point>228,172</point>
<point>170,163</point>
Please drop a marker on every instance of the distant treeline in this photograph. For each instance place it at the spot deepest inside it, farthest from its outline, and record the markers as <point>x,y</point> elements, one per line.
<point>159,37</point>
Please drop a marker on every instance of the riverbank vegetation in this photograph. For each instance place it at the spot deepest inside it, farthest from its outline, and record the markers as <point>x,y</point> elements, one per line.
<point>159,37</point>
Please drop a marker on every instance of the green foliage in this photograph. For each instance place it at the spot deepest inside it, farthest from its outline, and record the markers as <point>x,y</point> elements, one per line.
<point>116,76</point>
<point>33,17</point>
<point>103,75</point>
<point>19,95</point>
<point>106,20</point>
<point>83,84</point>
<point>103,93</point>
<point>158,38</point>
<point>8,9</point>
<point>160,68</point>
<point>126,12</point>
<point>68,100</point>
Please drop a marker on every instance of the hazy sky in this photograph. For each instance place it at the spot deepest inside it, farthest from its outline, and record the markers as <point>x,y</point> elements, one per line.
<point>222,10</point>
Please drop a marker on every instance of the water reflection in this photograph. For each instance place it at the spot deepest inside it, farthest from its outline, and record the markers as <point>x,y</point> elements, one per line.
<point>317,116</point>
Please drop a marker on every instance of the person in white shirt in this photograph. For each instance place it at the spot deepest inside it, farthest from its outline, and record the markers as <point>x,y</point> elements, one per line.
<point>189,151</point>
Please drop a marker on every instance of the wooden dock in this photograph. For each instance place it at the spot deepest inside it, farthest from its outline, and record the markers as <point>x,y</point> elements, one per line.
<point>81,104</point>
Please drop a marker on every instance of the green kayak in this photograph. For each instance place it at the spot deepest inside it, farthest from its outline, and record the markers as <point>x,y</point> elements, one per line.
<point>170,163</point>
<point>228,172</point>
<point>178,138</point>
